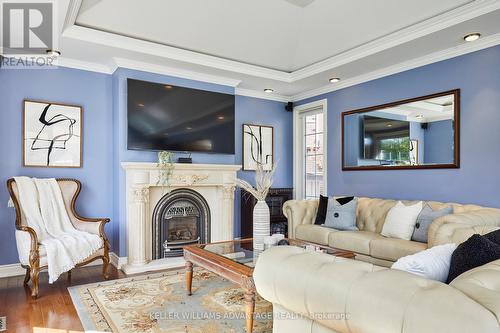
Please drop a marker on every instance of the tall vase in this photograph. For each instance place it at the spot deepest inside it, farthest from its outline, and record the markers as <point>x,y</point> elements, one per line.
<point>261,224</point>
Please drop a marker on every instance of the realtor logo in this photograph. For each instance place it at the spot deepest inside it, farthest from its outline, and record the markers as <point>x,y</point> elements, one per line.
<point>27,27</point>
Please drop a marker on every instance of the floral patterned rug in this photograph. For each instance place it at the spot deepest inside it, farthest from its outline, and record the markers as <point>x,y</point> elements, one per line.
<point>158,303</point>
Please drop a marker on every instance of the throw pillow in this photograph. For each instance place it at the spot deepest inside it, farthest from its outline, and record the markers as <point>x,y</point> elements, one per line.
<point>433,263</point>
<point>400,220</point>
<point>494,236</point>
<point>474,252</point>
<point>424,220</point>
<point>321,213</point>
<point>341,216</point>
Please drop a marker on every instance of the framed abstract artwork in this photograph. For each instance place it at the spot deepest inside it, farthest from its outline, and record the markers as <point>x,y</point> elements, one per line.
<point>258,146</point>
<point>52,135</point>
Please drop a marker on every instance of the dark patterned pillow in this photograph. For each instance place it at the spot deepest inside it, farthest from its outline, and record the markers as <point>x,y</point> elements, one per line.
<point>494,236</point>
<point>476,251</point>
<point>322,208</point>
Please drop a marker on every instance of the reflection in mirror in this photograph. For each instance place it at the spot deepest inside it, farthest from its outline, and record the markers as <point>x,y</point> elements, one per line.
<point>409,134</point>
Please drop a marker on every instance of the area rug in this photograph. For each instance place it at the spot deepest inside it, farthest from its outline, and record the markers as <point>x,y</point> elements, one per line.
<point>158,303</point>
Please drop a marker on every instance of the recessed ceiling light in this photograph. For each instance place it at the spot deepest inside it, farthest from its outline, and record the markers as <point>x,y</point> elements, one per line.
<point>220,117</point>
<point>189,128</point>
<point>334,79</point>
<point>140,105</point>
<point>389,125</point>
<point>268,90</point>
<point>472,37</point>
<point>53,53</point>
<point>168,87</point>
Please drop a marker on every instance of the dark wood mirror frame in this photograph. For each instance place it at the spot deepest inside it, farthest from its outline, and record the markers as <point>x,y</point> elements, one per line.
<point>456,128</point>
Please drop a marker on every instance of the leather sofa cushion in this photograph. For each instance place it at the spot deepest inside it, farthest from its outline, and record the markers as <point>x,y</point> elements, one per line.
<point>313,233</point>
<point>356,241</point>
<point>482,284</point>
<point>393,249</point>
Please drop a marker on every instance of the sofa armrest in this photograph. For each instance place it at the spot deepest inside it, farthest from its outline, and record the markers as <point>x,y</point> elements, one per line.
<point>443,227</point>
<point>299,212</point>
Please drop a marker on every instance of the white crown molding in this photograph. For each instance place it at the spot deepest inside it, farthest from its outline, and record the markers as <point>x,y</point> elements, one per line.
<point>16,269</point>
<point>172,71</point>
<point>459,50</point>
<point>72,13</point>
<point>84,65</point>
<point>169,52</point>
<point>440,22</point>
<point>262,95</point>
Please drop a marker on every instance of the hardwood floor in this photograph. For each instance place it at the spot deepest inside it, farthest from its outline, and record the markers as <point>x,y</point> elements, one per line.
<point>53,309</point>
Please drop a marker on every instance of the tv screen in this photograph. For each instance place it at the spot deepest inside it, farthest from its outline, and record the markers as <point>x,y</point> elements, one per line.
<point>166,117</point>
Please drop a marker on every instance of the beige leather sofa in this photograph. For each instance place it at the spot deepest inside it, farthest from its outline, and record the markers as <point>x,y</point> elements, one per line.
<point>330,294</point>
<point>370,246</point>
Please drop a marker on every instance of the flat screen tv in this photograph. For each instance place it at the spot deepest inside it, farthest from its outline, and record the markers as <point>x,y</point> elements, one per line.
<point>166,117</point>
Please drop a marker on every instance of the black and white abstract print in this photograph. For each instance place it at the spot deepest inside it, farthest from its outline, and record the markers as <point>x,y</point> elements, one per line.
<point>258,146</point>
<point>52,134</point>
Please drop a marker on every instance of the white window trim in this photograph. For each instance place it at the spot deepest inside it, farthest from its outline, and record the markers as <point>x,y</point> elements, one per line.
<point>298,137</point>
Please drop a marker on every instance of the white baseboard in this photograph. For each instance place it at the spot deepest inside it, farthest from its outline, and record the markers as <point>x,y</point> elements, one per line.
<point>11,270</point>
<point>16,269</point>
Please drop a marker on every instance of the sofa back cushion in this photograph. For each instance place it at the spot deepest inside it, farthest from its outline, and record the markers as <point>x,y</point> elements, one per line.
<point>371,212</point>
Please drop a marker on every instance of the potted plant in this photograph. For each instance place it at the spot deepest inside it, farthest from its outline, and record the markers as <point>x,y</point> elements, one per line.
<point>261,217</point>
<point>166,167</point>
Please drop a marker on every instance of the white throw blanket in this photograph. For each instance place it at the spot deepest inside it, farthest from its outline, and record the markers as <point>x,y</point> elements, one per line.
<point>43,205</point>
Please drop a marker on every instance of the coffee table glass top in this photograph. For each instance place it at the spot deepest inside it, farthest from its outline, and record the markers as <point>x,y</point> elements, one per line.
<point>242,251</point>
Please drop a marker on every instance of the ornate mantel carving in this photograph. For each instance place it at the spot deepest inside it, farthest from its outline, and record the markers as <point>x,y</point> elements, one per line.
<point>188,179</point>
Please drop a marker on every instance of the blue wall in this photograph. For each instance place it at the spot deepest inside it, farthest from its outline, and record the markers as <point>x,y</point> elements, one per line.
<point>90,90</point>
<point>478,180</point>
<point>104,99</point>
<point>438,142</point>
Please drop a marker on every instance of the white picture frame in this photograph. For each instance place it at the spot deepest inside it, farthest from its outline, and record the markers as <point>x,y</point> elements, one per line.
<point>52,135</point>
<point>258,146</point>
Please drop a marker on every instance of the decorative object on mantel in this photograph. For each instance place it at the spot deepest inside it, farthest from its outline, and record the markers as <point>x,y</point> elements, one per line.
<point>52,135</point>
<point>258,147</point>
<point>261,216</point>
<point>166,168</point>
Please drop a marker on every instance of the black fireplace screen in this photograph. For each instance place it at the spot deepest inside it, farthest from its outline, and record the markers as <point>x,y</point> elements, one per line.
<point>180,218</point>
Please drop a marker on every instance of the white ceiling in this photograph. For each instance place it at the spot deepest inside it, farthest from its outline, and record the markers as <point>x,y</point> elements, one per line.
<point>292,46</point>
<point>270,33</point>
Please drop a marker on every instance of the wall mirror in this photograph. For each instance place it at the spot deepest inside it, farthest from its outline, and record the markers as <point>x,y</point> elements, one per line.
<point>417,133</point>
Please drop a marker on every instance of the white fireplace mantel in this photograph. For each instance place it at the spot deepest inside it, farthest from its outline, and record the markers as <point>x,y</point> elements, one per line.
<point>215,182</point>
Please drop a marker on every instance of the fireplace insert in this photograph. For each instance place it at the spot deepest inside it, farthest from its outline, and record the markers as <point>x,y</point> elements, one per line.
<point>180,218</point>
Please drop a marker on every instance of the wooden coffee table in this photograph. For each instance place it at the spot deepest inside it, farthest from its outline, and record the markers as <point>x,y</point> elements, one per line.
<point>234,261</point>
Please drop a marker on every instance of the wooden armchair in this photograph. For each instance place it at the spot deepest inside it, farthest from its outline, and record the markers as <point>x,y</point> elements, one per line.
<point>32,254</point>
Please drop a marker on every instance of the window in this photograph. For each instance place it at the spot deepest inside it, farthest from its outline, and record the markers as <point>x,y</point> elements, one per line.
<point>310,150</point>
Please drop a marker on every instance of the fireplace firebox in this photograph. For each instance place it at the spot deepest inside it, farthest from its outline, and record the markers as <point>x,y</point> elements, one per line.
<point>180,218</point>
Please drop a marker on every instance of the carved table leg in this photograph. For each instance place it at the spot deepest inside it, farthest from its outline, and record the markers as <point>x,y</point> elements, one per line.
<point>189,277</point>
<point>249,309</point>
